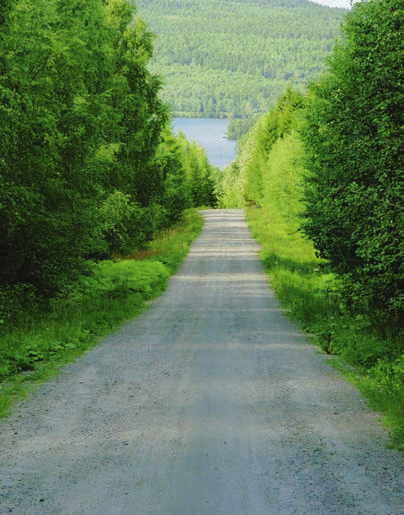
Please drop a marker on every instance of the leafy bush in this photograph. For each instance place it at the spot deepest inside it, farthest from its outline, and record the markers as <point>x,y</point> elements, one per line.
<point>93,305</point>
<point>120,278</point>
<point>390,376</point>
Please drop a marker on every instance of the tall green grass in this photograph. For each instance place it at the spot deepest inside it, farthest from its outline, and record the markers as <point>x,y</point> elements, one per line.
<point>296,274</point>
<point>37,337</point>
<point>303,285</point>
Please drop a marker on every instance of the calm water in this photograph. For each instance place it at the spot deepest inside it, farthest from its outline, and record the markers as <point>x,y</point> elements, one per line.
<point>210,134</point>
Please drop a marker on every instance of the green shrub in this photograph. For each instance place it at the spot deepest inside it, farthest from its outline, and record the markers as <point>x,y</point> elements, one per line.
<point>113,292</point>
<point>120,278</point>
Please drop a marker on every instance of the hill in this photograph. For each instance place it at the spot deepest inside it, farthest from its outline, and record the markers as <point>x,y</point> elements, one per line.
<point>233,58</point>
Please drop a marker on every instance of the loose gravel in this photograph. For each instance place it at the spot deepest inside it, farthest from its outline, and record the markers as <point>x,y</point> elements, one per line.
<point>211,402</point>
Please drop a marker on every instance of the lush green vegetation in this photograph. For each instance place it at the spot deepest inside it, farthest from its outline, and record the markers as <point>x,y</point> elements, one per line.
<point>89,173</point>
<point>221,58</point>
<point>353,143</point>
<point>88,169</point>
<point>329,166</point>
<point>238,127</point>
<point>311,293</point>
<point>40,340</point>
<point>80,126</point>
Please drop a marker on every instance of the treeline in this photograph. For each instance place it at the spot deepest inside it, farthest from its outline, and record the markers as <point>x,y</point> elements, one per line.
<point>225,58</point>
<point>89,168</point>
<point>329,166</point>
<point>251,180</point>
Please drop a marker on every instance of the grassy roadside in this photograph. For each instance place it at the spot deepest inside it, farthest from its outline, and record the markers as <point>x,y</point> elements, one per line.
<point>375,364</point>
<point>38,340</point>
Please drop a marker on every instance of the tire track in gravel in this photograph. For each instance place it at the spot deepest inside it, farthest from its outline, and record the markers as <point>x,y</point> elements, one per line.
<point>211,402</point>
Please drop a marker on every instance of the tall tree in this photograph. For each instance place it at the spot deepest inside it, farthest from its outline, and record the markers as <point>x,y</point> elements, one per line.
<point>80,123</point>
<point>353,140</point>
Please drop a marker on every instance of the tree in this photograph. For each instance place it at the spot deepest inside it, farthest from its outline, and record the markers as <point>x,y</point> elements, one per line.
<point>353,140</point>
<point>209,73</point>
<point>80,124</point>
<point>199,174</point>
<point>276,124</point>
<point>176,196</point>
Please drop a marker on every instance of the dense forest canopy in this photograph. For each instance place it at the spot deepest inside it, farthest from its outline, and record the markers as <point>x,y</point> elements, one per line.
<point>88,168</point>
<point>222,58</point>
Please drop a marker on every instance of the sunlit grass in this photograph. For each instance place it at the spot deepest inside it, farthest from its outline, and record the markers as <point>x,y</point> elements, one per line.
<point>305,287</point>
<point>296,274</point>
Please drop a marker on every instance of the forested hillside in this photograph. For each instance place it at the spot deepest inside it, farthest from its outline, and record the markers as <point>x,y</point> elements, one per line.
<point>224,58</point>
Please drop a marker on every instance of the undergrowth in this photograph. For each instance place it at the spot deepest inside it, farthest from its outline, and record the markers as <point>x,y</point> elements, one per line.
<point>37,337</point>
<point>304,285</point>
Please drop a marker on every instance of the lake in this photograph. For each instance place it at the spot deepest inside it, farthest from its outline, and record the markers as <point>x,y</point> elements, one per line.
<point>209,133</point>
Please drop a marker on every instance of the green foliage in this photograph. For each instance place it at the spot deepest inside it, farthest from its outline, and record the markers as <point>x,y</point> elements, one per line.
<point>113,291</point>
<point>120,278</point>
<point>176,196</point>
<point>252,176</point>
<point>311,296</point>
<point>88,169</point>
<point>230,185</point>
<point>5,8</point>
<point>173,245</point>
<point>35,334</point>
<point>223,59</point>
<point>282,178</point>
<point>353,142</point>
<point>296,274</point>
<point>238,127</point>
<point>80,123</point>
<point>390,376</point>
<point>271,165</point>
<point>199,174</point>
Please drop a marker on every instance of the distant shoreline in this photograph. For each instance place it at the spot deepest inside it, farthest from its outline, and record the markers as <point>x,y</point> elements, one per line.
<point>338,4</point>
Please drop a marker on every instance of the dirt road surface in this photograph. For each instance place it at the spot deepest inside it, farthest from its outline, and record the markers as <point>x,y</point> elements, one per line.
<point>211,402</point>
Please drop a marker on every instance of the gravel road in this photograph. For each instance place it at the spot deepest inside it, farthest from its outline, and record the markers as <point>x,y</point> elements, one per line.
<point>211,402</point>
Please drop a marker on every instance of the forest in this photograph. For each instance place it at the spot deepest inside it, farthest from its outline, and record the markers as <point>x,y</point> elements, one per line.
<point>225,59</point>
<point>89,169</point>
<point>320,176</point>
